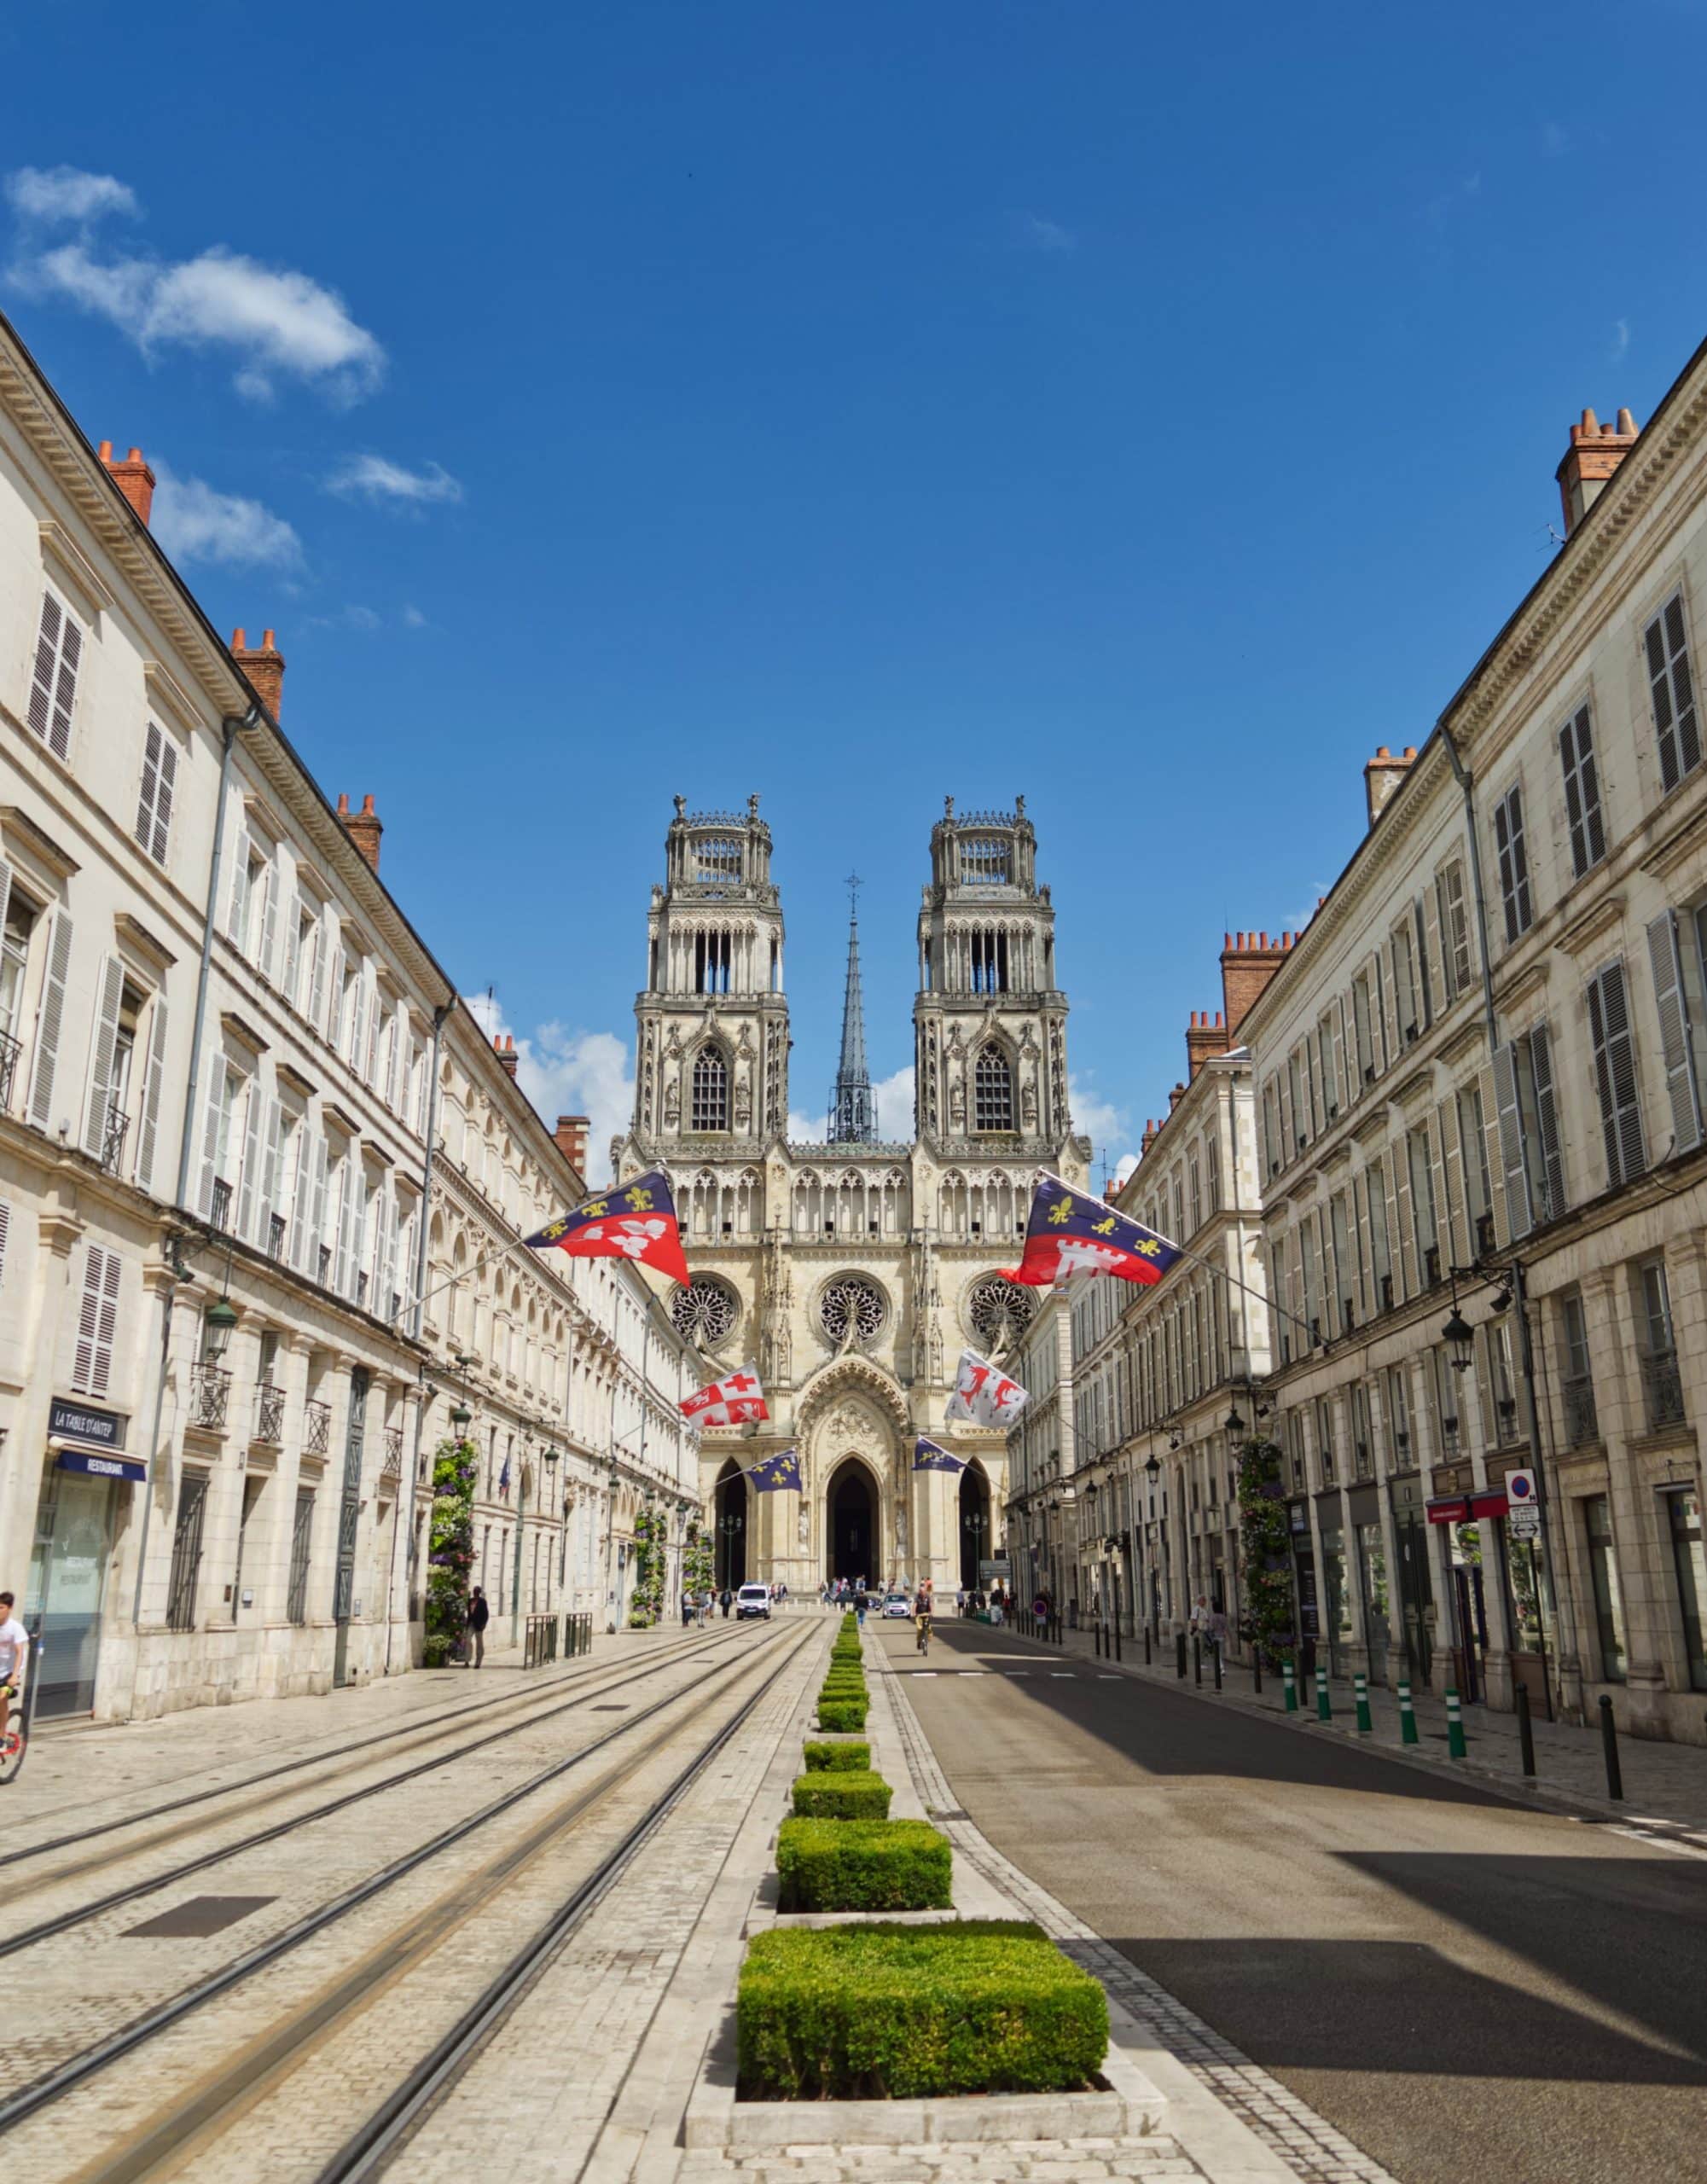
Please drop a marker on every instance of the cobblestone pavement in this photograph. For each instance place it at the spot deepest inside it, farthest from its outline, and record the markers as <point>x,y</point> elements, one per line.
<point>1665,1784</point>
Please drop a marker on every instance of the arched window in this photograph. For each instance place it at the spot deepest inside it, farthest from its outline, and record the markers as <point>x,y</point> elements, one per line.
<point>992,1091</point>
<point>711,1108</point>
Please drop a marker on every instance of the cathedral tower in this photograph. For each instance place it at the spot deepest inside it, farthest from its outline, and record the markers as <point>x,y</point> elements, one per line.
<point>853,1110</point>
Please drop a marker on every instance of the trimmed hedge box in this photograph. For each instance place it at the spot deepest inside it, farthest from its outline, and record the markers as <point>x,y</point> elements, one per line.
<point>820,1757</point>
<point>841,1715</point>
<point>843,1794</point>
<point>863,1865</point>
<point>853,1687</point>
<point>900,2013</point>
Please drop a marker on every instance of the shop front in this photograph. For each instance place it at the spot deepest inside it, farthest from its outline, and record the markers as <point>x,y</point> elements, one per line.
<point>85,1476</point>
<point>1461,1519</point>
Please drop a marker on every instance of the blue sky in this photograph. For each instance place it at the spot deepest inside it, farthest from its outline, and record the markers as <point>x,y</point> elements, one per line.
<point>1149,411</point>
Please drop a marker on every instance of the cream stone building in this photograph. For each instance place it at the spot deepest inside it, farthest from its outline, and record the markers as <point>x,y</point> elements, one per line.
<point>851,1273</point>
<point>262,1177</point>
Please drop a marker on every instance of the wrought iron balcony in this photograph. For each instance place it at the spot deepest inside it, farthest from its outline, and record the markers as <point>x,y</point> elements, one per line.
<point>1581,1421</point>
<point>391,1469</point>
<point>275,1236</point>
<point>269,1402</point>
<point>316,1428</point>
<point>113,1139</point>
<point>11,1052</point>
<point>1662,1389</point>
<point>219,1209</point>
<point>210,1397</point>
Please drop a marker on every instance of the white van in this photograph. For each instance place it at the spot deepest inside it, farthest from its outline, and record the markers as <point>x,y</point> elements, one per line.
<point>753,1599</point>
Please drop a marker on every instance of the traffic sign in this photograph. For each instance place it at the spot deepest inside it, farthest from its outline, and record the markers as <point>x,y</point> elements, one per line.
<point>1520,1487</point>
<point>1523,1521</point>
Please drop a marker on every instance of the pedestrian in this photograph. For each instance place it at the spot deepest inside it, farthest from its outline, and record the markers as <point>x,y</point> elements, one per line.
<point>959,1599</point>
<point>859,1609</point>
<point>725,1600</point>
<point>479,1615</point>
<point>15,1651</point>
<point>687,1605</point>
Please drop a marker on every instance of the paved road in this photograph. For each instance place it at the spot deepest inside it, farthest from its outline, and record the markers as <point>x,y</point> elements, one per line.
<point>1474,1994</point>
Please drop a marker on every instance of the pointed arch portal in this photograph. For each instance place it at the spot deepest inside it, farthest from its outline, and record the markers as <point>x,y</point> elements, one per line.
<point>732,1506</point>
<point>851,1536</point>
<point>976,1542</point>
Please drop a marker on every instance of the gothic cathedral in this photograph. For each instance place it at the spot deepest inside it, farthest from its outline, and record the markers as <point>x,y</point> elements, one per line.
<point>852,1272</point>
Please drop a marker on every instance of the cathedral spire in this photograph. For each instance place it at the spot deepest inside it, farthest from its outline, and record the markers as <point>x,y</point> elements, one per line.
<point>853,1113</point>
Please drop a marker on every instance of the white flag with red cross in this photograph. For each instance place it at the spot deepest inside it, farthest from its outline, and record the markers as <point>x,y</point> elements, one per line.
<point>737,1401</point>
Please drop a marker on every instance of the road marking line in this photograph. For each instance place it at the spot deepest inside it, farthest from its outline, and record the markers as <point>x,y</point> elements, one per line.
<point>1071,1674</point>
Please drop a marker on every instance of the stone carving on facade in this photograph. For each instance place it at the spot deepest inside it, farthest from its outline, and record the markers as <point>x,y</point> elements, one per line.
<point>672,1105</point>
<point>672,1046</point>
<point>803,1528</point>
<point>743,1102</point>
<point>957,1103</point>
<point>900,1528</point>
<point>744,1044</point>
<point>1028,1105</point>
<point>936,1352</point>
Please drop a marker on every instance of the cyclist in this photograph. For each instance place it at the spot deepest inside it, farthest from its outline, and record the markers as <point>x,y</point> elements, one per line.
<point>14,1648</point>
<point>921,1617</point>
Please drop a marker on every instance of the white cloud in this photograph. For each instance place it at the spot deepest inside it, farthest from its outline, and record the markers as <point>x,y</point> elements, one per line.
<point>1124,1167</point>
<point>193,522</point>
<point>894,1098</point>
<point>64,193</point>
<point>376,478</point>
<point>347,617</point>
<point>1620,340</point>
<point>1104,1124</point>
<point>565,1073</point>
<point>413,619</point>
<point>805,1129</point>
<point>1036,233</point>
<point>275,320</point>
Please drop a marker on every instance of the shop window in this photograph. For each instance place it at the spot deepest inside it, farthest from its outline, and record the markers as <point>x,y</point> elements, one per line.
<point>1603,1573</point>
<point>1683,1510</point>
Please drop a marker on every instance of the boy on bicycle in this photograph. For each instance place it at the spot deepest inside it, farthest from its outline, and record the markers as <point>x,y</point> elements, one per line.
<point>921,1617</point>
<point>14,1648</point>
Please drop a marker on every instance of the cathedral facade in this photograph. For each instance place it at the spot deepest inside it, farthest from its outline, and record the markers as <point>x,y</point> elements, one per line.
<point>852,1272</point>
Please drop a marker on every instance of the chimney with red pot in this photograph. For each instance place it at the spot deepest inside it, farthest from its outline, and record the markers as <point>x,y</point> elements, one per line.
<point>1204,1039</point>
<point>1594,453</point>
<point>133,478</point>
<point>365,828</point>
<point>1248,961</point>
<point>508,1058</point>
<point>264,666</point>
<point>571,1134</point>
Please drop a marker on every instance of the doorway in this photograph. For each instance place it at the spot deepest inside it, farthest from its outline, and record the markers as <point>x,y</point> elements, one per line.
<point>67,1578</point>
<point>976,1544</point>
<point>731,1506</point>
<point>852,1528</point>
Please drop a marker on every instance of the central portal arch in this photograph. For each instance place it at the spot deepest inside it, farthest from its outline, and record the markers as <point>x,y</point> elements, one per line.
<point>852,1547</point>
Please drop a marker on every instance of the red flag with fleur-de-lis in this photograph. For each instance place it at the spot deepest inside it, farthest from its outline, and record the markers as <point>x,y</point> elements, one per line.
<point>635,1220</point>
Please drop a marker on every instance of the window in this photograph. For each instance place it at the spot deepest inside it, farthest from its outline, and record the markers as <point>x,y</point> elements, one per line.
<point>1271,1127</point>
<point>1446,1397</point>
<point>1362,1439</point>
<point>107,1117</point>
<point>1609,1608</point>
<point>1614,1075</point>
<point>186,1551</point>
<point>1423,1208</point>
<point>1327,1048</point>
<point>711,954</point>
<point>14,959</point>
<point>53,685</point>
<point>1343,1272</point>
<point>1502,1416</point>
<point>214,1198</point>
<point>1582,792</point>
<point>985,862</point>
<point>718,859</point>
<point>1424,981</point>
<point>1677,1031</point>
<point>1662,1384</point>
<point>1530,1153</point>
<point>987,958</point>
<point>1683,1512</point>
<point>709,1108</point>
<point>1324,1438</point>
<point>992,1091</point>
<point>1405,1002</point>
<point>1478,1184</point>
<point>1577,1387</point>
<point>1671,686</point>
<point>1454,929</point>
<point>1399,1418</point>
<point>1380,1241</point>
<point>1514,863</point>
<point>1361,1027</point>
<point>1295,1086</point>
<point>92,1372</point>
<point>160,783</point>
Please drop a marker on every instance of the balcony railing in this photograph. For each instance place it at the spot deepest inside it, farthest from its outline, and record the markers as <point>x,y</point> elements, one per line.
<point>1662,1389</point>
<point>316,1428</point>
<point>1581,1421</point>
<point>391,1469</point>
<point>11,1052</point>
<point>113,1139</point>
<point>219,1209</point>
<point>210,1397</point>
<point>270,1401</point>
<point>275,1236</point>
<point>1485,1239</point>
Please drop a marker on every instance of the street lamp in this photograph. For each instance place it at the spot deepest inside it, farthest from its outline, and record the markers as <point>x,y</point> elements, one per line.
<point>1153,1468</point>
<point>461,1416</point>
<point>1459,1339</point>
<point>218,1327</point>
<point>1235,1424</point>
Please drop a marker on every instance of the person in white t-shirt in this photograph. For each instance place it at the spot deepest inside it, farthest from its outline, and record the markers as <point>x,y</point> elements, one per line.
<point>15,1647</point>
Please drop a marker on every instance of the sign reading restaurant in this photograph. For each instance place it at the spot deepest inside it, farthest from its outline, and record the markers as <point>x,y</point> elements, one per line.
<point>94,1433</point>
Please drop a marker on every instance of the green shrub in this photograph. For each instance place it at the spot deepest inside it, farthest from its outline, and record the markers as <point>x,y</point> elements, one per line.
<point>975,2006</point>
<point>841,1714</point>
<point>849,1657</point>
<point>863,1865</point>
<point>855,1686</point>
<point>842,1794</point>
<point>822,1756</point>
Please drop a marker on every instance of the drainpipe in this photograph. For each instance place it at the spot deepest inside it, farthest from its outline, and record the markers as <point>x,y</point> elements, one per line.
<point>231,727</point>
<point>439,1015</point>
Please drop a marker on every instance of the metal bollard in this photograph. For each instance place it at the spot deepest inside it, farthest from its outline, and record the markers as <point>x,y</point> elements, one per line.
<point>1526,1735</point>
<point>1216,1646</point>
<point>1117,1637</point>
<point>1324,1705</point>
<point>1146,1645</point>
<point>1197,1659</point>
<point>1096,1641</point>
<point>1609,1746</point>
<point>1360,1688</point>
<point>1180,1653</point>
<point>1408,1713</point>
<point>1454,1725</point>
<point>1291,1676</point>
<point>1256,1670</point>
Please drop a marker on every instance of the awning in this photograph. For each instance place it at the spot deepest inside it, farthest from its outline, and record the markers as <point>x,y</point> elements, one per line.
<point>99,1464</point>
<point>1464,1508</point>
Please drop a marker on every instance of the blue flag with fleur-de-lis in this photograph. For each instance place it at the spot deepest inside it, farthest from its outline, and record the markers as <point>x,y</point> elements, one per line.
<point>771,1474</point>
<point>932,1455</point>
<point>1069,1232</point>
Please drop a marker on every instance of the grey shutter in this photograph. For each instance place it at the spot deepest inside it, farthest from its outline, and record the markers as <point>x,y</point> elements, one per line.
<point>1431,971</point>
<point>1547,1123</point>
<point>5,1228</point>
<point>1514,869</point>
<point>1673,691</point>
<point>102,1049</point>
<point>236,900</point>
<point>1363,1039</point>
<point>270,917</point>
<point>1507,1097</point>
<point>254,1113</point>
<point>1582,792</point>
<point>50,1022</point>
<point>321,942</point>
<point>293,950</point>
<point>1457,1213</point>
<point>151,1095</point>
<point>97,1321</point>
<point>272,1134</point>
<point>346,1189</point>
<point>160,783</point>
<point>53,687</point>
<point>210,1137</point>
<point>1675,1042</point>
<point>1615,1074</point>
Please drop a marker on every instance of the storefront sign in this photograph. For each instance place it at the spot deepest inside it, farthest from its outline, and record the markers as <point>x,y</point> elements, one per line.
<point>1464,1508</point>
<point>989,1571</point>
<point>77,1422</point>
<point>96,1466</point>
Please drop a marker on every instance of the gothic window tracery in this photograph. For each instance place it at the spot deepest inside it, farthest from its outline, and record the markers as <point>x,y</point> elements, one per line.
<point>707,1311</point>
<point>851,1304</point>
<point>992,1091</point>
<point>709,1108</point>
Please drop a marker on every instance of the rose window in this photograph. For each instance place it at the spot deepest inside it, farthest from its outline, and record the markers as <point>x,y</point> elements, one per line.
<point>998,1312</point>
<point>851,1304</point>
<point>706,1311</point>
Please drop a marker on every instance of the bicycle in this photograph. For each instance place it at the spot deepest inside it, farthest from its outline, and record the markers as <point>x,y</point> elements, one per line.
<point>924,1638</point>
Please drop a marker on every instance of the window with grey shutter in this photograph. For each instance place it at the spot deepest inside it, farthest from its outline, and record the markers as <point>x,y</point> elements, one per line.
<point>51,1023</point>
<point>1406,1015</point>
<point>1615,1074</point>
<point>153,1083</point>
<point>1424,987</point>
<point>1582,792</point>
<point>1454,929</point>
<point>1676,1038</point>
<point>1507,1101</point>
<point>1672,689</point>
<point>103,1047</point>
<point>53,684</point>
<point>1547,1164</point>
<point>1514,863</point>
<point>1360,1029</point>
<point>160,785</point>
<point>97,1322</point>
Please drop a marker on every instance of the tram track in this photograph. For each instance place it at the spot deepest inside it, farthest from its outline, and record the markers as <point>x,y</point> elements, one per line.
<point>193,2120</point>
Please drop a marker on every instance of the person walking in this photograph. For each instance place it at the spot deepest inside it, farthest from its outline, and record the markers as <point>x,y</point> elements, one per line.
<point>479,1615</point>
<point>859,1609</point>
<point>725,1599</point>
<point>15,1651</point>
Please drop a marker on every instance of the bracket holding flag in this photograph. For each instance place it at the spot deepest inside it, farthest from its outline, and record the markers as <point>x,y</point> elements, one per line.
<point>932,1455</point>
<point>635,1220</point>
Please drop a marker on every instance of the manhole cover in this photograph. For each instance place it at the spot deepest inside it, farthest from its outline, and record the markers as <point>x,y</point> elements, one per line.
<point>200,1916</point>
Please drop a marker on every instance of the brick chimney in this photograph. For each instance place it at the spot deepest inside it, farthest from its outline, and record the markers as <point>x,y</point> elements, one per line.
<point>133,478</point>
<point>1594,453</point>
<point>264,665</point>
<point>1248,961</point>
<point>1151,1131</point>
<point>508,1058</point>
<point>364,827</point>
<point>1383,774</point>
<point>571,1134</point>
<point>1204,1039</point>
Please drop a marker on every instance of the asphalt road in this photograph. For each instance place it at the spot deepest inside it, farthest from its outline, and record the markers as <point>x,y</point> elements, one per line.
<point>1474,1993</point>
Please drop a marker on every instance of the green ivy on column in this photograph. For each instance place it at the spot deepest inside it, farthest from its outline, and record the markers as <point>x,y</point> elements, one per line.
<point>1265,1553</point>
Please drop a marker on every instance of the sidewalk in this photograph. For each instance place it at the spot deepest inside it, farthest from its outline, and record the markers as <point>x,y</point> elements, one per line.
<point>1665,1784</point>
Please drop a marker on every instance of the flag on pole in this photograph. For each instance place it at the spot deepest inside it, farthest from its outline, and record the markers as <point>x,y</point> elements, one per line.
<point>1069,1232</point>
<point>983,1394</point>
<point>634,1221</point>
<point>931,1455</point>
<point>739,1400</point>
<point>772,1474</point>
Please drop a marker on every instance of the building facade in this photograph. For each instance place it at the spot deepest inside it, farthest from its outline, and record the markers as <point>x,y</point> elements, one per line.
<point>851,1273</point>
<point>262,1177</point>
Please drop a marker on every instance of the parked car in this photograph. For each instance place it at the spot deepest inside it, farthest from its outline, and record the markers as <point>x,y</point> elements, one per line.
<point>753,1599</point>
<point>897,1603</point>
